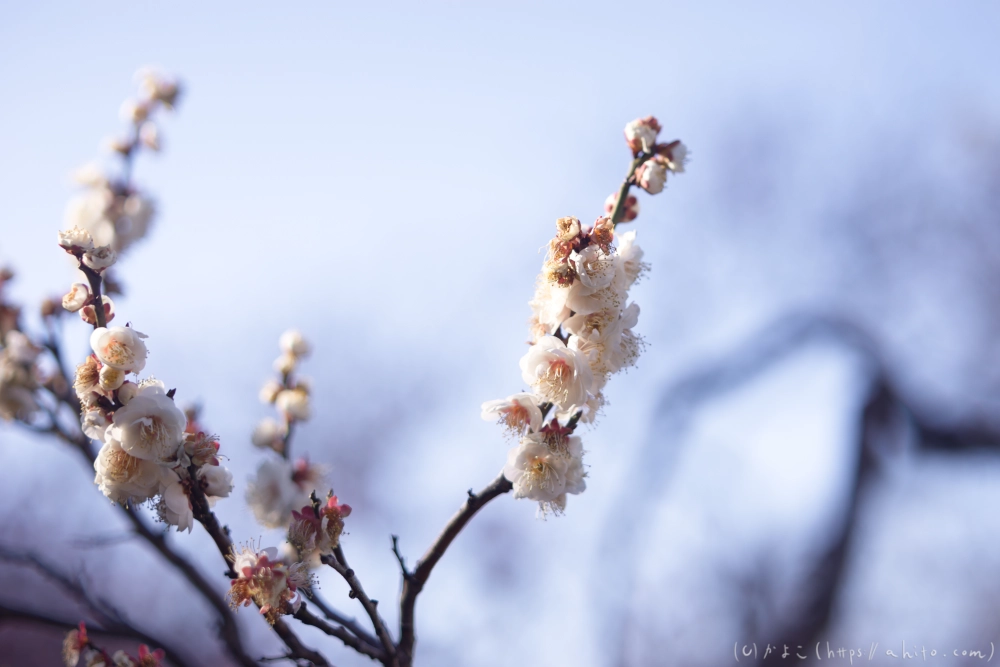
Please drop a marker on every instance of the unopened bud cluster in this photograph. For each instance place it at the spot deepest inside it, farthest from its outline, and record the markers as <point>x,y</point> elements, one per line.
<point>582,332</point>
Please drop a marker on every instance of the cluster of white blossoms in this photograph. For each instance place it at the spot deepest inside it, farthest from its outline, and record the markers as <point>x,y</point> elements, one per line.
<point>112,210</point>
<point>149,453</point>
<point>280,487</point>
<point>582,332</point>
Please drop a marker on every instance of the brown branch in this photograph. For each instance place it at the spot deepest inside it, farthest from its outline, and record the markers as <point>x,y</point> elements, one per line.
<point>374,652</point>
<point>335,616</point>
<point>415,583</point>
<point>297,649</point>
<point>339,563</point>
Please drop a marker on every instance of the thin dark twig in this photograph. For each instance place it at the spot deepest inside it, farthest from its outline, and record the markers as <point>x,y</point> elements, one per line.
<point>297,649</point>
<point>415,583</point>
<point>339,563</point>
<point>399,556</point>
<point>335,616</point>
<point>374,652</point>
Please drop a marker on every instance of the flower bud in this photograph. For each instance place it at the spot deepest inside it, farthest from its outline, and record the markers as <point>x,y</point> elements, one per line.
<point>76,298</point>
<point>567,229</point>
<point>127,391</point>
<point>285,364</point>
<point>269,434</point>
<point>292,343</point>
<point>631,211</point>
<point>269,392</point>
<point>641,134</point>
<point>89,314</point>
<point>76,239</point>
<point>99,258</point>
<point>652,175</point>
<point>294,403</point>
<point>676,155</point>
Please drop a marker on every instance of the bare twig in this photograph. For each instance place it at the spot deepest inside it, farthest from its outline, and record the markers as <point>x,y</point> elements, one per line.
<point>335,616</point>
<point>415,583</point>
<point>399,556</point>
<point>297,649</point>
<point>339,563</point>
<point>374,652</point>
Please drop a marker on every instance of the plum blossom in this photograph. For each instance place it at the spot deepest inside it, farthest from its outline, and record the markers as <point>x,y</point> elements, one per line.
<point>174,507</point>
<point>151,426</point>
<point>76,298</point>
<point>517,413</point>
<point>263,579</point>
<point>273,493</point>
<point>217,481</point>
<point>120,347</point>
<point>76,239</point>
<point>269,434</point>
<point>536,472</point>
<point>123,477</point>
<point>558,374</point>
<point>89,313</point>
<point>631,211</point>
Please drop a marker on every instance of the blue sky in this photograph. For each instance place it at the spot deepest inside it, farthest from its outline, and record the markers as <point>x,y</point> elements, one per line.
<point>381,175</point>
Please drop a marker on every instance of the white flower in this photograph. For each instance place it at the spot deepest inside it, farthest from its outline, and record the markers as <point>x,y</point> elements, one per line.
<point>120,347</point>
<point>156,86</point>
<point>292,342</point>
<point>76,298</point>
<point>641,133</point>
<point>558,374</point>
<point>89,312</point>
<point>123,477</point>
<point>100,258</point>
<point>95,424</point>
<point>273,494</point>
<point>631,256</point>
<point>586,300</point>
<point>174,507</point>
<point>76,238</point>
<point>593,266</point>
<point>294,403</point>
<point>536,472</point>
<point>218,481</point>
<point>652,175</point>
<point>134,224</point>
<point>268,434</point>
<point>516,413</point>
<point>678,157</point>
<point>151,426</point>
<point>549,306</point>
<point>127,392</point>
<point>111,378</point>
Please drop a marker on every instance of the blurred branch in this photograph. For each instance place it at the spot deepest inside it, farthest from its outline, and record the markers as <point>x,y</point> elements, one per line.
<point>335,616</point>
<point>110,618</point>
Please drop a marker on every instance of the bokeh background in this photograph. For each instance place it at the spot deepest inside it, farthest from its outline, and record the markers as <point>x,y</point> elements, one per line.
<point>807,451</point>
